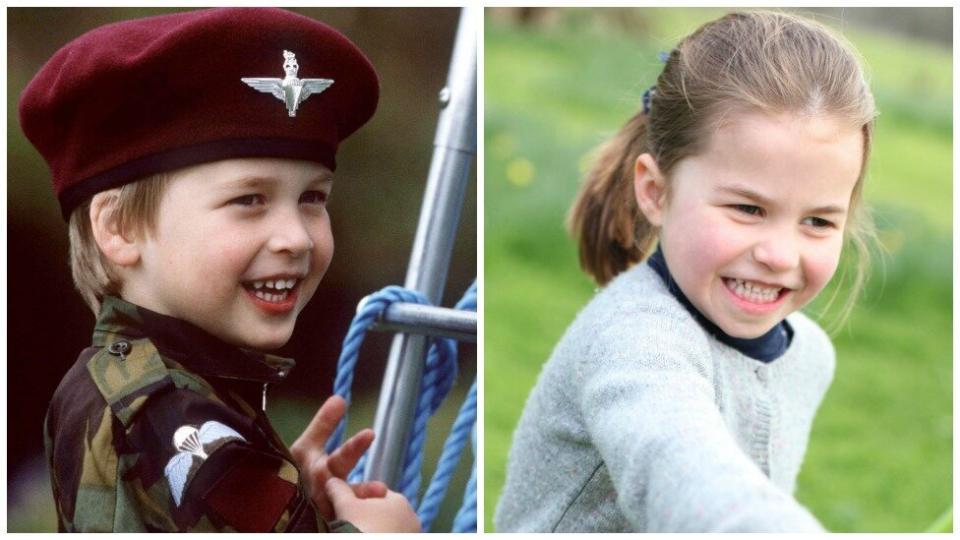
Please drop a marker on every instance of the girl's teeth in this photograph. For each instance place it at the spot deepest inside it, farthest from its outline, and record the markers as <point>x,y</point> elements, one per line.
<point>269,284</point>
<point>257,284</point>
<point>753,292</point>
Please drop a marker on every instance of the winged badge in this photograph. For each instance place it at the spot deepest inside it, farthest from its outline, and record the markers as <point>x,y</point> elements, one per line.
<point>290,90</point>
<point>194,446</point>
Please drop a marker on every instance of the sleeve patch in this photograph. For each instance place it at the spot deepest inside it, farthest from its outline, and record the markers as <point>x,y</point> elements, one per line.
<point>250,496</point>
<point>193,447</point>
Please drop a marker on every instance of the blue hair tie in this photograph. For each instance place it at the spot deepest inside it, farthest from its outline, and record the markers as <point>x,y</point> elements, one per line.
<point>647,97</point>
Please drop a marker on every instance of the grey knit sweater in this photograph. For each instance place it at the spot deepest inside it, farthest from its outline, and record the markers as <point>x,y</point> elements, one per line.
<point>641,421</point>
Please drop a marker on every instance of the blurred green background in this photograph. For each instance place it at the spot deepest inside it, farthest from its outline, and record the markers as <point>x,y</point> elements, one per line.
<point>560,81</point>
<point>375,205</point>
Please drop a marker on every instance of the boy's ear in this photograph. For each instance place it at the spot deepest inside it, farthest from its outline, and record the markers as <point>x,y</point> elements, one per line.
<point>118,249</point>
<point>649,189</point>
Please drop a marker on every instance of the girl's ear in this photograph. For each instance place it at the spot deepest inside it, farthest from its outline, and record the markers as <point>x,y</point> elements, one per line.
<point>119,249</point>
<point>649,189</point>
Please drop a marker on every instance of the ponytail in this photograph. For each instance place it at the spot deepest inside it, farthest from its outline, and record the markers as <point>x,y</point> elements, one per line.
<point>611,231</point>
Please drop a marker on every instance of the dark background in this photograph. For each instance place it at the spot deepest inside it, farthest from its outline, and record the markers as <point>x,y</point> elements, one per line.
<point>375,205</point>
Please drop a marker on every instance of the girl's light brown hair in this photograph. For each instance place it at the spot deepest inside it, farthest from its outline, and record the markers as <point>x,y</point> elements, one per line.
<point>759,61</point>
<point>134,207</point>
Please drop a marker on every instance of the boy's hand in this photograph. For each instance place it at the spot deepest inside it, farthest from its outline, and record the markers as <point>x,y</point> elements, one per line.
<point>391,513</point>
<point>318,467</point>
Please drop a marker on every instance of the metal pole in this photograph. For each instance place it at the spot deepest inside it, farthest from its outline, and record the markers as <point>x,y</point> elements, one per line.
<point>455,147</point>
<point>429,321</point>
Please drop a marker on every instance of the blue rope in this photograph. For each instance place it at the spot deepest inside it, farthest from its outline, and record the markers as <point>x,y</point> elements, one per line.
<point>466,519</point>
<point>438,377</point>
<point>371,308</point>
<point>452,449</point>
<point>437,380</point>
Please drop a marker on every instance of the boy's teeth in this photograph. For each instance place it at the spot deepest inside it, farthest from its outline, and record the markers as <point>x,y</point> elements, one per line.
<point>272,297</point>
<point>279,284</point>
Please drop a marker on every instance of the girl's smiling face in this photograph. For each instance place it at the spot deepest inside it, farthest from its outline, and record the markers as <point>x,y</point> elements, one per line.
<point>752,228</point>
<point>238,248</point>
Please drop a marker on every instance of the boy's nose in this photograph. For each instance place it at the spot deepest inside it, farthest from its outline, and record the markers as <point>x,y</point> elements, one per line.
<point>779,253</point>
<point>291,235</point>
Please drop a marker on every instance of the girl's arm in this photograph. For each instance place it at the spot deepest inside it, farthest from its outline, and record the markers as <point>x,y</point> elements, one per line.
<point>675,465</point>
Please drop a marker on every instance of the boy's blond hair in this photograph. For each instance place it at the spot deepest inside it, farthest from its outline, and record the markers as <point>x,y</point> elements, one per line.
<point>134,206</point>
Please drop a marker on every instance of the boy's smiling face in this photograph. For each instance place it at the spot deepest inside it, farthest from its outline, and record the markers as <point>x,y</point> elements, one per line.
<point>225,232</point>
<point>752,227</point>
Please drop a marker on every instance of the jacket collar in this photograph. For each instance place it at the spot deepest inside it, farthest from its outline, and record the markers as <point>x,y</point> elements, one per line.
<point>188,345</point>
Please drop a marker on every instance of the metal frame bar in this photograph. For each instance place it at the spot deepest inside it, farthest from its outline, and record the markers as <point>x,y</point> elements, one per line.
<point>455,148</point>
<point>428,320</point>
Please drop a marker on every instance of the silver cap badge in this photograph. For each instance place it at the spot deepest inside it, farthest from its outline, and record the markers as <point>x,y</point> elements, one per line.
<point>290,90</point>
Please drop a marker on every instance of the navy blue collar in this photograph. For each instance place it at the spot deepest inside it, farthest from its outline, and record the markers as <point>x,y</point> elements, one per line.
<point>765,348</point>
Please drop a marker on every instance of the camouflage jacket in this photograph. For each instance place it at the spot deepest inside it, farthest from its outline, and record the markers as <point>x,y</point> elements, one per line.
<point>158,427</point>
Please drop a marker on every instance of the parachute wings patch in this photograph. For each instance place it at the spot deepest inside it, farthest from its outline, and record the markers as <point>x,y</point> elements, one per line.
<point>193,447</point>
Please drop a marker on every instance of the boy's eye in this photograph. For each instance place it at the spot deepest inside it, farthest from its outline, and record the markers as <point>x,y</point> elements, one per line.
<point>818,223</point>
<point>749,209</point>
<point>248,200</point>
<point>313,197</point>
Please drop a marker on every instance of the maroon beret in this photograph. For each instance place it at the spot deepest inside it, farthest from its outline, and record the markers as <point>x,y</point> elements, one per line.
<point>145,96</point>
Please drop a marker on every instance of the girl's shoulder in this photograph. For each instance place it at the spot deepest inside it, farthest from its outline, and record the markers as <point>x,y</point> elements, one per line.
<point>636,297</point>
<point>811,344</point>
<point>635,320</point>
<point>807,329</point>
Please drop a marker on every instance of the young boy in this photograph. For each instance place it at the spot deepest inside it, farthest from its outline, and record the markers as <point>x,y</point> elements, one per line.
<point>192,155</point>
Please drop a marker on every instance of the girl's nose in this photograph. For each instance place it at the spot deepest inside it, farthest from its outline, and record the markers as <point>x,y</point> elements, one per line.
<point>291,235</point>
<point>779,253</point>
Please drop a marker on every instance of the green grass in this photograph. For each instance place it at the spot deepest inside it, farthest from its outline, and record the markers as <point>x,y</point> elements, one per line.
<point>880,455</point>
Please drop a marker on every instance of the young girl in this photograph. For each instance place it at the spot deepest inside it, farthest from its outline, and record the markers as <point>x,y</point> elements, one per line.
<point>681,397</point>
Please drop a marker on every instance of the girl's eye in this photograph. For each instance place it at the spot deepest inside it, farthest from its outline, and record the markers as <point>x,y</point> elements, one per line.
<point>818,223</point>
<point>248,200</point>
<point>313,197</point>
<point>748,209</point>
